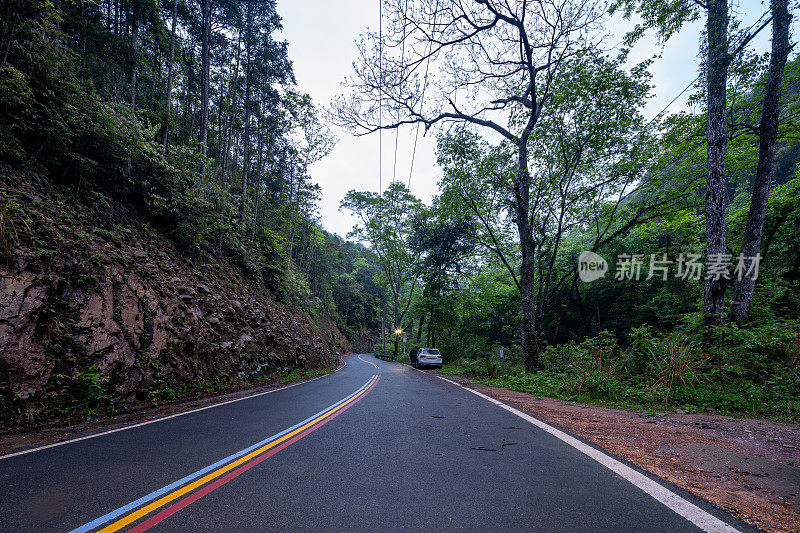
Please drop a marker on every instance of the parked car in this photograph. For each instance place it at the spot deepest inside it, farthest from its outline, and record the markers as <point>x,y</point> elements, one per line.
<point>419,357</point>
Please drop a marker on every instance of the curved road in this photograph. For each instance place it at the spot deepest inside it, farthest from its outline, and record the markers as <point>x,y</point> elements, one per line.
<point>376,446</point>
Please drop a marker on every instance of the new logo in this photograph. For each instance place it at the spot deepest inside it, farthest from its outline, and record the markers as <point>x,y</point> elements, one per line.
<point>591,267</point>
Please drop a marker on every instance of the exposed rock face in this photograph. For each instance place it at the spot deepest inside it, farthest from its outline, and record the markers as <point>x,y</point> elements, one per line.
<point>93,308</point>
<point>122,323</point>
<point>22,356</point>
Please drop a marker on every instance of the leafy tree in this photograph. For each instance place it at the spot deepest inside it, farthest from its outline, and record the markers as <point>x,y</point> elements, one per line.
<point>495,57</point>
<point>668,16</point>
<point>444,244</point>
<point>768,133</point>
<point>588,156</point>
<point>386,222</point>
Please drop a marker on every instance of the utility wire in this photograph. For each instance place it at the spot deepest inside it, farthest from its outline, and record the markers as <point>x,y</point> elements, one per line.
<point>380,98</point>
<point>422,98</point>
<point>397,131</point>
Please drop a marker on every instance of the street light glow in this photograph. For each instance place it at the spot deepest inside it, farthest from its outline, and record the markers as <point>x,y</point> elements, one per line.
<point>398,331</point>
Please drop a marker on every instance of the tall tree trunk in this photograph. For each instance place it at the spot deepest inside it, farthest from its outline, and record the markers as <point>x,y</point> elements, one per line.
<point>134,61</point>
<point>154,83</point>
<point>430,326</point>
<point>768,133</point>
<point>168,103</point>
<point>226,125</point>
<point>229,141</point>
<point>292,214</point>
<point>397,321</point>
<point>205,78</point>
<point>224,110</point>
<point>246,158</point>
<point>221,125</point>
<point>383,330</point>
<point>83,38</point>
<point>419,331</point>
<point>291,244</point>
<point>187,124</point>
<point>134,54</point>
<point>257,187</point>
<point>717,72</point>
<point>527,281</point>
<point>247,77</point>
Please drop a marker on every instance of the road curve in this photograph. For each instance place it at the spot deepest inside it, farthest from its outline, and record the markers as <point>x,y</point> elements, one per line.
<point>376,446</point>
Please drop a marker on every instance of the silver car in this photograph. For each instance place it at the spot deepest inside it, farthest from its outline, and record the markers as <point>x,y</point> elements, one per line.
<point>425,356</point>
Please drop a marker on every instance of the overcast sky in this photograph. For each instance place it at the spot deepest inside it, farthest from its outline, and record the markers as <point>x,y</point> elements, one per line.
<point>321,35</point>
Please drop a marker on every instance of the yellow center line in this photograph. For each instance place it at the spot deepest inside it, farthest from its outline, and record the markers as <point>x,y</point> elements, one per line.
<point>128,519</point>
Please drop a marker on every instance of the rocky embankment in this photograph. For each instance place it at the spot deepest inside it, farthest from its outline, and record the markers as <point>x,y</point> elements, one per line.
<point>95,313</point>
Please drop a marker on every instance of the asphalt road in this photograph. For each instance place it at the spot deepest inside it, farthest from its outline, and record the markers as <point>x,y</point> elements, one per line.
<point>367,449</point>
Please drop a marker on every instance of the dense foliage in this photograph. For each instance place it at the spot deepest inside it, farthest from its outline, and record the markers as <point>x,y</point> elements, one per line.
<point>187,111</point>
<point>633,191</point>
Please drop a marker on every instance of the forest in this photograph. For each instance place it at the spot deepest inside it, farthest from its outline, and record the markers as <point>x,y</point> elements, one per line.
<point>546,156</point>
<point>188,112</point>
<point>159,228</point>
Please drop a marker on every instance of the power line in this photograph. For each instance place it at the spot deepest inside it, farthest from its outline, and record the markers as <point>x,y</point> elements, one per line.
<point>744,37</point>
<point>380,97</point>
<point>394,166</point>
<point>691,83</point>
<point>416,132</point>
<point>422,98</point>
<point>397,131</point>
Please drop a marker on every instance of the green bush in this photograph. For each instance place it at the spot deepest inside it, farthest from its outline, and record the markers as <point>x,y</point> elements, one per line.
<point>601,350</point>
<point>638,355</point>
<point>678,361</point>
<point>753,371</point>
<point>492,366</point>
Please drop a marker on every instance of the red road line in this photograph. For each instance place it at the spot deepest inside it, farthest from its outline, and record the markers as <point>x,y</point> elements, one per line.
<point>174,508</point>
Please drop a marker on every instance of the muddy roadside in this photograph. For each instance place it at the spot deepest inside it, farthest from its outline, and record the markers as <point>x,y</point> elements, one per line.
<point>748,467</point>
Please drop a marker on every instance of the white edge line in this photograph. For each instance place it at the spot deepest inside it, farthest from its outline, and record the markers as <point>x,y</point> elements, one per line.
<point>700,518</point>
<point>341,367</point>
<point>175,415</point>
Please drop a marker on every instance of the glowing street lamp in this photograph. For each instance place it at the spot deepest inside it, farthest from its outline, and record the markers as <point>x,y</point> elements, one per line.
<point>398,331</point>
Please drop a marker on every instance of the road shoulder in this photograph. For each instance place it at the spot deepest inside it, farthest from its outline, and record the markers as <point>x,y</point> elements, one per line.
<point>15,441</point>
<point>748,468</point>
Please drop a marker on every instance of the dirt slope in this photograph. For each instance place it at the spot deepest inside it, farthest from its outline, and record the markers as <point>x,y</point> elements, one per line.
<point>99,311</point>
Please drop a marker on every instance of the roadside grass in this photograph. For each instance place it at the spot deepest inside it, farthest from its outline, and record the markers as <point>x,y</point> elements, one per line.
<point>751,372</point>
<point>90,399</point>
<point>742,398</point>
<point>302,374</point>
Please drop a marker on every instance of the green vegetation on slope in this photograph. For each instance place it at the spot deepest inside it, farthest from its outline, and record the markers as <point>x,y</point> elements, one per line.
<point>144,141</point>
<point>213,153</point>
